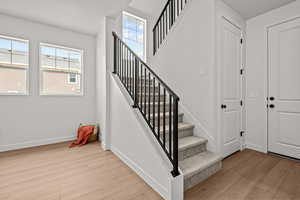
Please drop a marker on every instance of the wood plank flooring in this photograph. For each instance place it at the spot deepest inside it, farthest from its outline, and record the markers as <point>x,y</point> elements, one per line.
<point>55,172</point>
<point>250,175</point>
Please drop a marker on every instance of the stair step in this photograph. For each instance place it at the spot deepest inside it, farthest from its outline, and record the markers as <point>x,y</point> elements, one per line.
<point>184,130</point>
<point>199,167</point>
<point>160,115</point>
<point>190,146</point>
<point>143,95</point>
<point>156,105</point>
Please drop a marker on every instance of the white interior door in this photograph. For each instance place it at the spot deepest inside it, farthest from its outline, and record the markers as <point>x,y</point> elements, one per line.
<point>231,87</point>
<point>284,89</point>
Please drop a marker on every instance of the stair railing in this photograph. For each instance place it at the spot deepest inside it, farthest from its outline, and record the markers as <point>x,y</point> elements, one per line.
<point>157,103</point>
<point>166,20</point>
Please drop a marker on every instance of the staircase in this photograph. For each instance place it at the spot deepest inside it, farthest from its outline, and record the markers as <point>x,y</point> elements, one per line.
<point>158,105</point>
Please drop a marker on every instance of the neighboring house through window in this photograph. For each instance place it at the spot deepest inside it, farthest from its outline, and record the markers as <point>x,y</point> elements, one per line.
<point>61,70</point>
<point>134,34</point>
<point>14,66</point>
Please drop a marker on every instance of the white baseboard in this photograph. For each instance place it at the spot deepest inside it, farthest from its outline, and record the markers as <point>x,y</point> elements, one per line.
<point>23,145</point>
<point>255,147</point>
<point>145,176</point>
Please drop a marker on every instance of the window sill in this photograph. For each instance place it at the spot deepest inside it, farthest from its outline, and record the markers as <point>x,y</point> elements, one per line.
<point>61,95</point>
<point>14,94</point>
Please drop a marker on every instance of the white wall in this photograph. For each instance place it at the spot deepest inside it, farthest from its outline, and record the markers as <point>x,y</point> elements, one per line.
<point>135,144</point>
<point>257,90</point>
<point>35,120</point>
<point>187,64</point>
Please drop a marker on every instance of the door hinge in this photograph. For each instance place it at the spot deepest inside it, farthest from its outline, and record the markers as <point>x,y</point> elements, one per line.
<point>241,40</point>
<point>242,133</point>
<point>241,103</point>
<point>241,71</point>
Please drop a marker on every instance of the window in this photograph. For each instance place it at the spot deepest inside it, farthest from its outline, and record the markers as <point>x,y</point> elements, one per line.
<point>13,65</point>
<point>73,78</point>
<point>134,34</point>
<point>60,70</point>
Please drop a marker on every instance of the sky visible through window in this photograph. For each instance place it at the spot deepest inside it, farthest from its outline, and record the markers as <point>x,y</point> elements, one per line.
<point>134,34</point>
<point>15,45</point>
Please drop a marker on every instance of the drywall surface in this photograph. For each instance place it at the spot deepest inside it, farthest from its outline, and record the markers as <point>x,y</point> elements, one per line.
<point>35,120</point>
<point>257,73</point>
<point>186,62</point>
<point>134,143</point>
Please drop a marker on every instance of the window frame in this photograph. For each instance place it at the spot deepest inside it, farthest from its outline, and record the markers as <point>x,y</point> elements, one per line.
<point>81,51</point>
<point>28,70</point>
<point>145,31</point>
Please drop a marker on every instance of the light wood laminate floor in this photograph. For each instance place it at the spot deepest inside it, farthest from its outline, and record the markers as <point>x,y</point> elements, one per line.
<point>55,172</point>
<point>250,175</point>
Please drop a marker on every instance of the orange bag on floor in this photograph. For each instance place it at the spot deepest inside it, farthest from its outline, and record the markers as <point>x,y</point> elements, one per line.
<point>83,135</point>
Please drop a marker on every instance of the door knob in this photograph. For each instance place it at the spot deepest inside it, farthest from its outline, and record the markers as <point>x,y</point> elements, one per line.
<point>223,106</point>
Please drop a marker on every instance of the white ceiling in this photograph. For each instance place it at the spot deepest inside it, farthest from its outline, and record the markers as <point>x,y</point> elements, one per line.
<point>252,8</point>
<point>78,15</point>
<point>150,7</point>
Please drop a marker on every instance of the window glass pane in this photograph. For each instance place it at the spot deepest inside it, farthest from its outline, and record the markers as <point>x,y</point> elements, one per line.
<point>19,53</point>
<point>12,80</point>
<point>5,51</point>
<point>130,22</point>
<point>62,59</point>
<point>47,57</point>
<point>134,34</point>
<point>14,55</point>
<point>75,61</point>
<point>64,78</point>
<point>57,83</point>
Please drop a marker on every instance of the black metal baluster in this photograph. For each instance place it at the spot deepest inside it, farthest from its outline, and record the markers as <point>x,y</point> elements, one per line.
<point>115,55</point>
<point>164,120</point>
<point>158,111</point>
<point>163,26</point>
<point>181,2</point>
<point>119,59</point>
<point>149,98</point>
<point>170,125</point>
<point>133,72</point>
<point>144,97</point>
<point>175,137</point>
<point>129,76</point>
<point>170,15</point>
<point>142,88</point>
<point>136,79</point>
<point>177,7</point>
<point>154,42</point>
<point>153,106</point>
<point>126,68</point>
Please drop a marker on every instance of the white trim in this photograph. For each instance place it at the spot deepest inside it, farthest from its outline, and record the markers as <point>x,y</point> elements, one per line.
<point>256,148</point>
<point>23,145</point>
<point>144,175</point>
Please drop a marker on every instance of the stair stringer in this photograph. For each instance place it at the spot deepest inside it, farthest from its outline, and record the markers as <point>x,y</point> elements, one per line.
<point>160,180</point>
